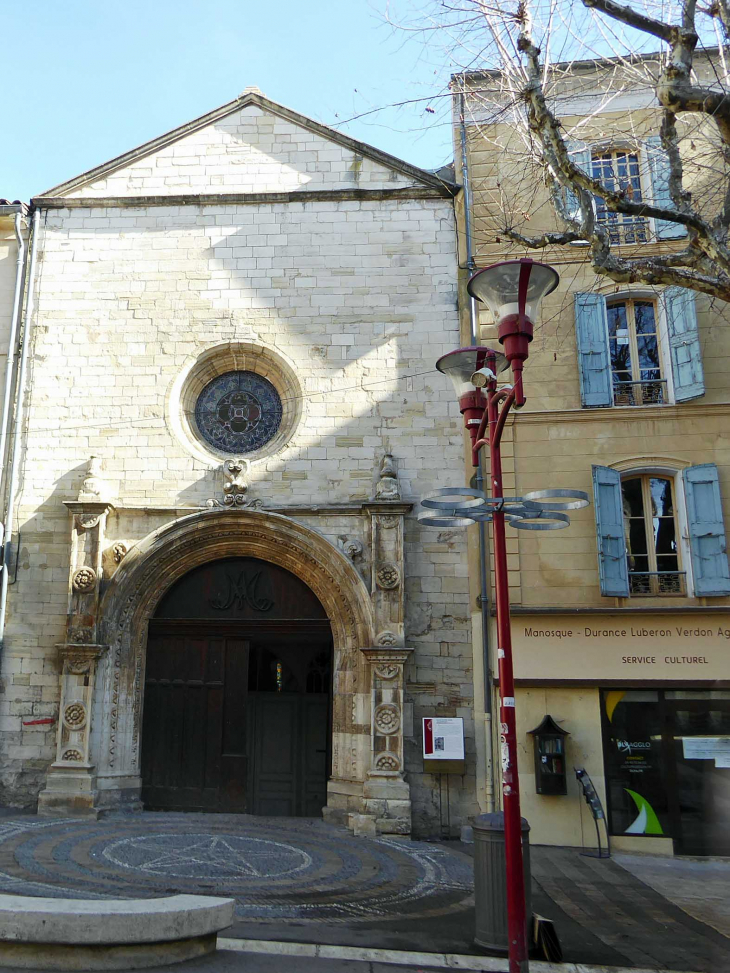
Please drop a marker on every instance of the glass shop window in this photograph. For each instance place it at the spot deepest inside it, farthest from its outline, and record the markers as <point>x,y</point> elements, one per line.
<point>632,749</point>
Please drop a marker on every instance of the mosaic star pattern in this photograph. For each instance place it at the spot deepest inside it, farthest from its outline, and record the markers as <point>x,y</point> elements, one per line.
<point>275,868</point>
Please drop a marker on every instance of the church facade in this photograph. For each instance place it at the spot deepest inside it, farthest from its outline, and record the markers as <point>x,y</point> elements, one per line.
<point>219,595</point>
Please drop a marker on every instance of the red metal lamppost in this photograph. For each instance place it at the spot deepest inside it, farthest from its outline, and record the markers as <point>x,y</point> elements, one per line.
<point>512,291</point>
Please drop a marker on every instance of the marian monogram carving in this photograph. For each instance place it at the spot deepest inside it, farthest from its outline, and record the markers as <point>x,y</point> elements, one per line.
<point>242,591</point>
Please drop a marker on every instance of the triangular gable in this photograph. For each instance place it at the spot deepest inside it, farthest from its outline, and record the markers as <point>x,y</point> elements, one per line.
<point>250,145</point>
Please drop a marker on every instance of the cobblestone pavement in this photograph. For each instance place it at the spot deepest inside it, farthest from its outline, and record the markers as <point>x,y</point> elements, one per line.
<point>276,869</point>
<point>302,881</point>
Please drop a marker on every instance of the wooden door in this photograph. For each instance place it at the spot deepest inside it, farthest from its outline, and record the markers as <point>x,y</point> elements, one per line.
<point>194,726</point>
<point>288,775</point>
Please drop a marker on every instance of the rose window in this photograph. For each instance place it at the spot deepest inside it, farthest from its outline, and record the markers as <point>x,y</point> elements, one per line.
<point>238,412</point>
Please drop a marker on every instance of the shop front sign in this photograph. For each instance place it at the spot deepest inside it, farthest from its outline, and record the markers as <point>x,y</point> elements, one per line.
<point>683,649</point>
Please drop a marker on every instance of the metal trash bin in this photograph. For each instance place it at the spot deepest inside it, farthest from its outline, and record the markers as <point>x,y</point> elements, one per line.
<point>490,881</point>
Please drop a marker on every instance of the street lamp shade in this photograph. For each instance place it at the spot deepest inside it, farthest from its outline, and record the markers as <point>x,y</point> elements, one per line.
<point>504,286</point>
<point>513,290</point>
<point>461,364</point>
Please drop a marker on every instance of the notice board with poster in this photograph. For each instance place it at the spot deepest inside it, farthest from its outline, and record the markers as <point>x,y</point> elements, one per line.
<point>443,745</point>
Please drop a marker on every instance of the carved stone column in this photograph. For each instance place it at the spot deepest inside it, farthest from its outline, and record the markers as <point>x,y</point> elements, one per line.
<point>88,528</point>
<point>70,782</point>
<point>387,794</point>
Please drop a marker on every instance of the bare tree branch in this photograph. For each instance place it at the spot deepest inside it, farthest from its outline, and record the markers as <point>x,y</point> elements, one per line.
<point>632,18</point>
<point>628,153</point>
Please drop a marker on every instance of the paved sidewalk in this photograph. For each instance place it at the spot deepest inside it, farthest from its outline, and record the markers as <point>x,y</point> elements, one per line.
<point>635,924</point>
<point>700,887</point>
<point>302,881</point>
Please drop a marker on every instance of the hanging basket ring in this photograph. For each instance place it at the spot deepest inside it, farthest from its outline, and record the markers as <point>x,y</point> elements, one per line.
<point>566,499</point>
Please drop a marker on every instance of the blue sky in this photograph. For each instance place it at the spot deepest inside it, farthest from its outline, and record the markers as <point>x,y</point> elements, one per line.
<point>84,82</point>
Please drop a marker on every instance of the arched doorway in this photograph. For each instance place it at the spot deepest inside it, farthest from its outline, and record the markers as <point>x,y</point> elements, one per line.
<point>237,693</point>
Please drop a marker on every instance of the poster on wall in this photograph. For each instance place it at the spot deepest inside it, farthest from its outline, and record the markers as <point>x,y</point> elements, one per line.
<point>443,738</point>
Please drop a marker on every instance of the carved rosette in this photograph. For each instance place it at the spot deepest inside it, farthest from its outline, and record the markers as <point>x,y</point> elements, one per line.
<point>74,716</point>
<point>84,579</point>
<point>388,576</point>
<point>387,683</point>
<point>387,762</point>
<point>386,717</point>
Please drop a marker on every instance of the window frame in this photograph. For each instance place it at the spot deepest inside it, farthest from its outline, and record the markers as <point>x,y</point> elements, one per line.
<point>629,299</point>
<point>624,220</point>
<point>681,524</point>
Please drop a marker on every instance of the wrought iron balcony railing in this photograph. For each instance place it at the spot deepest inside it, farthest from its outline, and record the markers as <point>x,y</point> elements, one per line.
<point>647,392</point>
<point>657,582</point>
<point>624,230</point>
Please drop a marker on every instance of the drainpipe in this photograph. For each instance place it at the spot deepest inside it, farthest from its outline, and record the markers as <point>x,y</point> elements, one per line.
<point>479,480</point>
<point>15,448</point>
<point>13,337</point>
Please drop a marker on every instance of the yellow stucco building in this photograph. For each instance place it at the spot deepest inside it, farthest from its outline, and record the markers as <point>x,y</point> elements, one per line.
<point>620,623</point>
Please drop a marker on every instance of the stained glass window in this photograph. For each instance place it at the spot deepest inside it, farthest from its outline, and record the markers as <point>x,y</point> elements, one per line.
<point>238,412</point>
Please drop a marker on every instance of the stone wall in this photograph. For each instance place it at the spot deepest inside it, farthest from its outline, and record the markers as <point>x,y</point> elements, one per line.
<point>356,298</point>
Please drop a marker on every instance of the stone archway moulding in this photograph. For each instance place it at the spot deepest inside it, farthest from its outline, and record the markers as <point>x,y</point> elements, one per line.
<point>163,557</point>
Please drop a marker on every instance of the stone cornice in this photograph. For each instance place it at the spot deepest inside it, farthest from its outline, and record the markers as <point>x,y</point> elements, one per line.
<point>88,506</point>
<point>387,653</point>
<point>80,650</point>
<point>623,413</point>
<point>401,507</point>
<point>242,199</point>
<point>658,610</point>
<point>294,510</point>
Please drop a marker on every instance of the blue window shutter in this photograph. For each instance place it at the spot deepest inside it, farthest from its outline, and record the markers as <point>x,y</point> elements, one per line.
<point>684,343</point>
<point>613,568</point>
<point>706,530</point>
<point>580,155</point>
<point>659,170</point>
<point>591,326</point>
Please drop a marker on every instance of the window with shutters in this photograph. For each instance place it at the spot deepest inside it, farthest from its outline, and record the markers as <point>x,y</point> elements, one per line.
<point>622,360</point>
<point>634,348</point>
<point>650,530</point>
<point>620,171</point>
<point>660,532</point>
